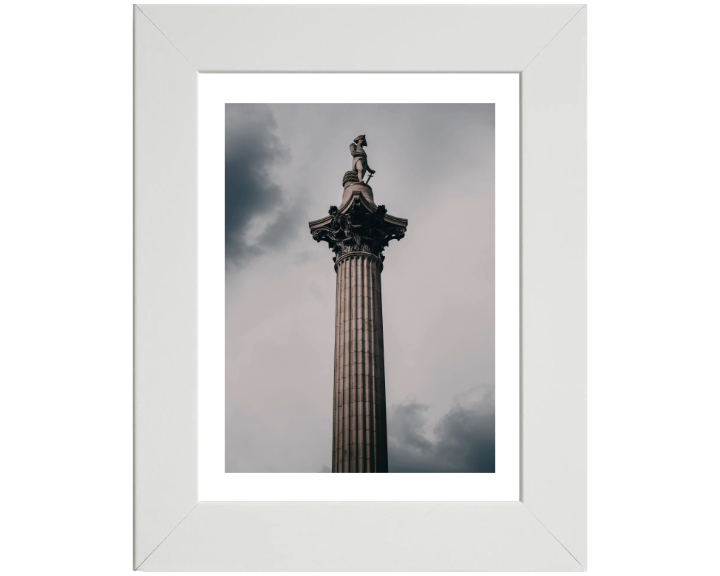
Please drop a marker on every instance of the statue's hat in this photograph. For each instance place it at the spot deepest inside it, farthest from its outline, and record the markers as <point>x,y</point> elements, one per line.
<point>361,138</point>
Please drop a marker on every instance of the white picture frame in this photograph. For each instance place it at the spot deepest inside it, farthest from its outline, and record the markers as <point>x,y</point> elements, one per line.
<point>546,530</point>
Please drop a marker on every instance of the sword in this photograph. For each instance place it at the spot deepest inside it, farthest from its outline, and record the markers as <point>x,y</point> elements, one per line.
<point>368,180</point>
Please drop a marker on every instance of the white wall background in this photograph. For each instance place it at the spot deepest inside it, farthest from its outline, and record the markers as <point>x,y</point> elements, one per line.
<point>66,304</point>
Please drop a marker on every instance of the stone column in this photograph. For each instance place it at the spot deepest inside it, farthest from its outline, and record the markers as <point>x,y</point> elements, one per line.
<point>360,424</point>
<point>358,233</point>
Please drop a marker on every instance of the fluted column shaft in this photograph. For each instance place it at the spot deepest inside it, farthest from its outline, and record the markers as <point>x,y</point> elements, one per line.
<point>359,419</point>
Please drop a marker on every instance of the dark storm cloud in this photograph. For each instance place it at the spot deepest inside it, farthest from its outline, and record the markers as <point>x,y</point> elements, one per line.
<point>465,436</point>
<point>253,153</point>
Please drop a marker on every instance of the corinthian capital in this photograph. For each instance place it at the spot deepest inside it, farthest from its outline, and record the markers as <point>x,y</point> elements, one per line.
<point>358,226</point>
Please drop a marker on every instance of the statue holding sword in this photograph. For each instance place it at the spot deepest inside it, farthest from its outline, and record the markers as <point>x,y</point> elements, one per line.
<point>359,161</point>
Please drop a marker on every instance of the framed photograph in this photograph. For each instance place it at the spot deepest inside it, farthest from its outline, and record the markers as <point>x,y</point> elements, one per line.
<point>363,256</point>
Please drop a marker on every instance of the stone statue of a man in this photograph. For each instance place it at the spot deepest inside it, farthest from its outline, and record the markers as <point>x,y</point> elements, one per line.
<point>359,158</point>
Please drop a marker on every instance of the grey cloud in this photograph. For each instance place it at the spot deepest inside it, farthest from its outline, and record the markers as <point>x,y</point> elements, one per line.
<point>406,427</point>
<point>464,436</point>
<point>253,155</point>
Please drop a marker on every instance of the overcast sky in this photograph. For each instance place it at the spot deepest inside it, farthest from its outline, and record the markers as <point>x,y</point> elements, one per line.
<point>435,167</point>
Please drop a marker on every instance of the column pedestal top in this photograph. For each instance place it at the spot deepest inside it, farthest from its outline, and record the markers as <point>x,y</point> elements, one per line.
<point>363,189</point>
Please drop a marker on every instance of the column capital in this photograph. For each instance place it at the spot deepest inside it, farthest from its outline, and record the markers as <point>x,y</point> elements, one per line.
<point>358,226</point>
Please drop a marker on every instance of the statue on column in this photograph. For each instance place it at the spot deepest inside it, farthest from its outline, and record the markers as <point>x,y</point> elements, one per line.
<point>359,162</point>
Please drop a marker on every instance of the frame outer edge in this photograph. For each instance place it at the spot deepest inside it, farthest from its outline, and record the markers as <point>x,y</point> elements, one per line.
<point>554,287</point>
<point>165,288</point>
<point>165,481</point>
<point>361,537</point>
<point>396,38</point>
